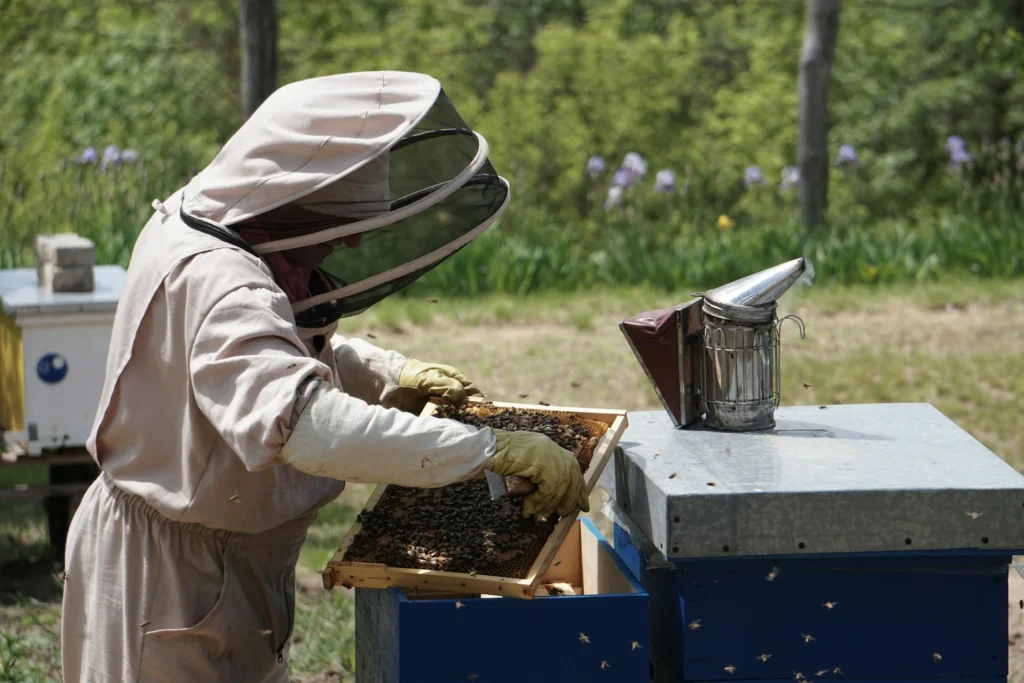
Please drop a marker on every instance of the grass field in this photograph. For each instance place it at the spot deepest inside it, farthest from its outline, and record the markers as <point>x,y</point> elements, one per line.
<point>956,345</point>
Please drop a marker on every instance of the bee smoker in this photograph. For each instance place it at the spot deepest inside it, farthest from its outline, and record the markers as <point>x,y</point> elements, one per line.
<point>717,356</point>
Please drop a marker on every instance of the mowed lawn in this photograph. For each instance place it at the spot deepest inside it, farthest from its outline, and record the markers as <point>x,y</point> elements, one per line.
<point>957,346</point>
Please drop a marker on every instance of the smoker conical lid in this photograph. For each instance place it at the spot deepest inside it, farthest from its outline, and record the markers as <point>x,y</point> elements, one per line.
<point>760,288</point>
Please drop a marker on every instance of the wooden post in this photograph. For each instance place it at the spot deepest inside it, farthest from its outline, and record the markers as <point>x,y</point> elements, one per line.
<point>816,58</point>
<point>258,39</point>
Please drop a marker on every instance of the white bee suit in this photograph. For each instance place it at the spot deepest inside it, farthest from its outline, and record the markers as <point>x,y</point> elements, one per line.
<point>221,408</point>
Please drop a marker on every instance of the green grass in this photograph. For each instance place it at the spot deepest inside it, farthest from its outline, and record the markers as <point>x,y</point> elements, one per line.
<point>29,614</point>
<point>332,522</point>
<point>30,641</point>
<point>955,344</point>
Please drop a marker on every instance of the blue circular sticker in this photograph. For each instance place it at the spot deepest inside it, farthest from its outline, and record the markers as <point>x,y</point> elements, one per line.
<point>52,368</point>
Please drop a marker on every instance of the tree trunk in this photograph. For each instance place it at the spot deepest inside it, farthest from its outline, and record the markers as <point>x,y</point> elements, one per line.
<point>258,32</point>
<point>816,58</point>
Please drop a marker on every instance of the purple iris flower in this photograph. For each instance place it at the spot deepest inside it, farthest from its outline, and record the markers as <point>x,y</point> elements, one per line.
<point>614,197</point>
<point>595,166</point>
<point>960,157</point>
<point>111,155</point>
<point>624,177</point>
<point>790,177</point>
<point>753,176</point>
<point>665,181</point>
<point>635,163</point>
<point>958,154</point>
<point>129,156</point>
<point>847,156</point>
<point>89,156</point>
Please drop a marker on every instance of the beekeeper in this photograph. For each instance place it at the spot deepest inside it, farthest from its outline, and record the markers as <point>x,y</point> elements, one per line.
<point>231,411</point>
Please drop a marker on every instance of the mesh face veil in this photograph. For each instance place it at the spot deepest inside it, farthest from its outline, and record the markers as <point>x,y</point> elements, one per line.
<point>357,184</point>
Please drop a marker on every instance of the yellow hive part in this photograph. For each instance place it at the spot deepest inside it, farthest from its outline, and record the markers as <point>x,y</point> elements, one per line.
<point>12,376</point>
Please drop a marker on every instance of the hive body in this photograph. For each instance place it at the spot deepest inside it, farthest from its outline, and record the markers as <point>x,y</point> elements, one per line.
<point>870,539</point>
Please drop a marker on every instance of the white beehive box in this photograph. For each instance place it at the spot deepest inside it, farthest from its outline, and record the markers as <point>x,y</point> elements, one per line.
<point>53,355</point>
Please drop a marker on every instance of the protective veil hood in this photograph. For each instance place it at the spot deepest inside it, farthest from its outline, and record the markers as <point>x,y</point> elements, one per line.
<point>369,180</point>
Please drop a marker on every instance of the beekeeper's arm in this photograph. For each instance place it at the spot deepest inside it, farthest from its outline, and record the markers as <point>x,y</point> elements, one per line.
<point>339,436</point>
<point>258,387</point>
<point>271,403</point>
<point>394,381</point>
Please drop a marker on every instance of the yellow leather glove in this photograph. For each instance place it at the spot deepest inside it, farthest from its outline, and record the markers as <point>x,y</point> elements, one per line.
<point>434,379</point>
<point>554,470</point>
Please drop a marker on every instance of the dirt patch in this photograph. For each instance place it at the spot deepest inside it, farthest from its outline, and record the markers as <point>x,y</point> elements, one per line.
<point>899,328</point>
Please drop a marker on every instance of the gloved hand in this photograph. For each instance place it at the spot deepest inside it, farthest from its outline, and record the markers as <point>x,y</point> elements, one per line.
<point>424,380</point>
<point>554,470</point>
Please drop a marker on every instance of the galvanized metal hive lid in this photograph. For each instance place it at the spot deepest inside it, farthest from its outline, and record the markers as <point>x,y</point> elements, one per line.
<point>838,479</point>
<point>21,295</point>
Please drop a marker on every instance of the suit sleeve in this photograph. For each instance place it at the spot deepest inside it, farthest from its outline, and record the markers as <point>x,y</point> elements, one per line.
<point>250,374</point>
<point>365,371</point>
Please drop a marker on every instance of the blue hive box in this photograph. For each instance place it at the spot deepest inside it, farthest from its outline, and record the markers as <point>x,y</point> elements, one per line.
<point>854,543</point>
<point>599,634</point>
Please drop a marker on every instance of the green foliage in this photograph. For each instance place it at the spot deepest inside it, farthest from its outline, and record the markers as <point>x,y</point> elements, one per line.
<point>703,88</point>
<point>527,259</point>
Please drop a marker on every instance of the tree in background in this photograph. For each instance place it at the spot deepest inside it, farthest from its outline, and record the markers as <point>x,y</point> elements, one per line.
<point>925,107</point>
<point>816,58</point>
<point>257,23</point>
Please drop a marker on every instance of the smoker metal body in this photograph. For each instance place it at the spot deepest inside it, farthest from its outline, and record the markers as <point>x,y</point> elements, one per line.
<point>873,539</point>
<point>740,377</point>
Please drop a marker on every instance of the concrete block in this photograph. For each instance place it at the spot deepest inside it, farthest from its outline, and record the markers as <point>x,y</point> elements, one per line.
<point>65,250</point>
<point>71,279</point>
